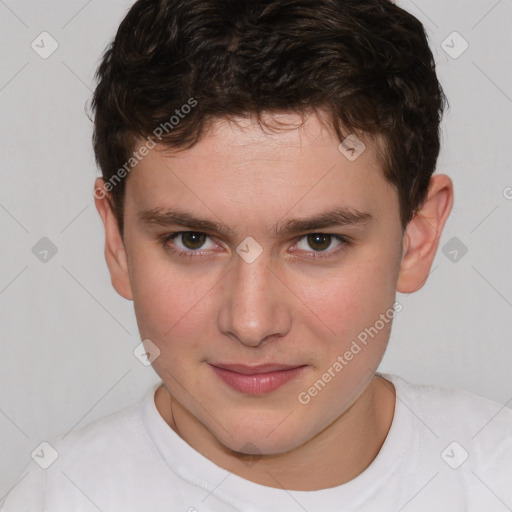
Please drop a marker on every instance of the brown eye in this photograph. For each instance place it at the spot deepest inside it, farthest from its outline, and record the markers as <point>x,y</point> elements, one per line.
<point>319,241</point>
<point>187,243</point>
<point>322,245</point>
<point>192,240</point>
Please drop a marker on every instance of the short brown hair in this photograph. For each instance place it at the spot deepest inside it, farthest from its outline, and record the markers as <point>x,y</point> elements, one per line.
<point>366,63</point>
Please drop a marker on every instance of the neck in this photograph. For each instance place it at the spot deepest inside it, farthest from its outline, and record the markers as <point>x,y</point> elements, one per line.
<point>336,455</point>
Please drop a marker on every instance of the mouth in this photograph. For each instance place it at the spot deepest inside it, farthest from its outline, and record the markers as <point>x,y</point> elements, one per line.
<point>256,380</point>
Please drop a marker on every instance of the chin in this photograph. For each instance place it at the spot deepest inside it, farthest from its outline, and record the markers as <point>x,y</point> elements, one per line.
<point>260,439</point>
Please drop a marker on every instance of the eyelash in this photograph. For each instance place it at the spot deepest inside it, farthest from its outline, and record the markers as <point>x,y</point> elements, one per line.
<point>165,239</point>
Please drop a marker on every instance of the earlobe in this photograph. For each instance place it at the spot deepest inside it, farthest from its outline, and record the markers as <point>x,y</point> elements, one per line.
<point>115,253</point>
<point>422,235</point>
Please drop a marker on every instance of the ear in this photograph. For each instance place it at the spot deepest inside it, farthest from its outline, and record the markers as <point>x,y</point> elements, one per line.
<point>422,234</point>
<point>115,254</point>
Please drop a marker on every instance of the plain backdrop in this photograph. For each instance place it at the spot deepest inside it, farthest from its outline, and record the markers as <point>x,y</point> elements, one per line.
<point>68,338</point>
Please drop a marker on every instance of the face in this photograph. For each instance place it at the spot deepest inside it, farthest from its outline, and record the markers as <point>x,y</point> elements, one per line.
<point>258,285</point>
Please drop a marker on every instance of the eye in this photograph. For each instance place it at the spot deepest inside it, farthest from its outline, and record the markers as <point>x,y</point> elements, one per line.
<point>321,242</point>
<point>187,241</point>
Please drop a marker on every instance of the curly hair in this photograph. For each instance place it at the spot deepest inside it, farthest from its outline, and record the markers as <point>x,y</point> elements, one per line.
<point>176,66</point>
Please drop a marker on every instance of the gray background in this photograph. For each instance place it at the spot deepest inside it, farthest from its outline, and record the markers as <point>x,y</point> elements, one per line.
<point>68,338</point>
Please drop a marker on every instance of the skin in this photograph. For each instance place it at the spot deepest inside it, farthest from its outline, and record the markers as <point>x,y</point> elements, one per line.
<point>285,307</point>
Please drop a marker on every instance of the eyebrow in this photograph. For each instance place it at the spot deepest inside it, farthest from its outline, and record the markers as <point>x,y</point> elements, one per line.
<point>341,216</point>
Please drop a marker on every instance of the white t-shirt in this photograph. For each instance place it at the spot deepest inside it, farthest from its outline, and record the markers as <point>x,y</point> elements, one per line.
<point>447,451</point>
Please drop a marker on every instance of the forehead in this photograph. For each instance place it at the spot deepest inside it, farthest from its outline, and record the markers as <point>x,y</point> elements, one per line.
<point>241,167</point>
<point>282,138</point>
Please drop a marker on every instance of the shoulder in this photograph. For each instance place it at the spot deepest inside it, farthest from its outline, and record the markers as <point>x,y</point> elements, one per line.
<point>456,447</point>
<point>105,438</point>
<point>83,461</point>
<point>465,437</point>
<point>455,410</point>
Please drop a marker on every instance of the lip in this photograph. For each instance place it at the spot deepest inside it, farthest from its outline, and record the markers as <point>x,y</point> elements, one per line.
<point>256,369</point>
<point>256,380</point>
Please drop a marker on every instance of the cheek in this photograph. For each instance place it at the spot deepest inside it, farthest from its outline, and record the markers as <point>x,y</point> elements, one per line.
<point>357,307</point>
<point>354,297</point>
<point>356,304</point>
<point>171,314</point>
<point>169,304</point>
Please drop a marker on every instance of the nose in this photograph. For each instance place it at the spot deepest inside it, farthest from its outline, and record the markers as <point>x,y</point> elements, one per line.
<point>255,307</point>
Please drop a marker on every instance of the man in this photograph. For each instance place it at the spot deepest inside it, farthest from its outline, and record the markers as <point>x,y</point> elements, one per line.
<point>267,188</point>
